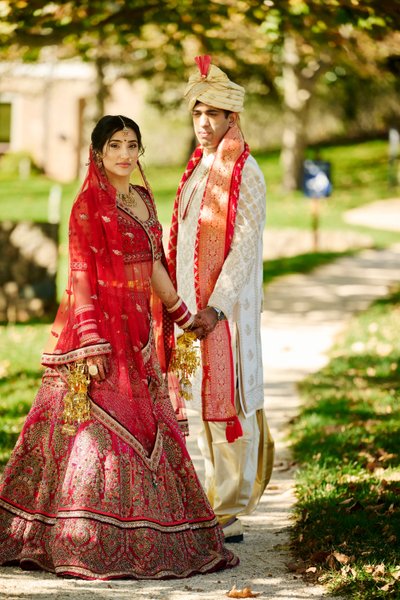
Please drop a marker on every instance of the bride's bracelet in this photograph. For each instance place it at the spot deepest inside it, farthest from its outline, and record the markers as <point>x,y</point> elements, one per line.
<point>180,314</point>
<point>86,324</point>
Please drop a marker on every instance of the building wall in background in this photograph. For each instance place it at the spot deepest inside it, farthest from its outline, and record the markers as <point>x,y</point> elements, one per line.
<point>50,109</point>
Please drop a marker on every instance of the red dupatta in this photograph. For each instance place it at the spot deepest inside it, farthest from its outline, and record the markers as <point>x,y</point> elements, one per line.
<point>98,277</point>
<point>213,241</point>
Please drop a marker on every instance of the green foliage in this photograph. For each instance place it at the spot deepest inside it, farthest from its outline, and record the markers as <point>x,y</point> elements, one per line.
<point>157,40</point>
<point>347,530</point>
<point>157,33</point>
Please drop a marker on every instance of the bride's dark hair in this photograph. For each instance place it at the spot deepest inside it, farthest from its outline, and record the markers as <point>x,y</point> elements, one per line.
<point>110,124</point>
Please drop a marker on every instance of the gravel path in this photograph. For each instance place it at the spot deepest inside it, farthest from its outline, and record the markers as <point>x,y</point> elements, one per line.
<point>382,214</point>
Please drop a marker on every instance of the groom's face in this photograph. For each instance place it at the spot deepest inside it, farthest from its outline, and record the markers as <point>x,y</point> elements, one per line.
<point>211,124</point>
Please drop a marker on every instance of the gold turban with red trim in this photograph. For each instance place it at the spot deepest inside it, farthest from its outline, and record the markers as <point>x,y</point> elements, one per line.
<point>212,86</point>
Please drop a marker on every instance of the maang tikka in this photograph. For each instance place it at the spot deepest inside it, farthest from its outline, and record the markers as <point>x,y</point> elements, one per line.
<point>125,129</point>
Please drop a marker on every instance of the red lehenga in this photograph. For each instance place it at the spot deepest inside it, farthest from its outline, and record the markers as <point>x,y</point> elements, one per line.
<point>120,498</point>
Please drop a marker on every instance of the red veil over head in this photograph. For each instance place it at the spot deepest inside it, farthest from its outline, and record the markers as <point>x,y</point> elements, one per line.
<point>118,292</point>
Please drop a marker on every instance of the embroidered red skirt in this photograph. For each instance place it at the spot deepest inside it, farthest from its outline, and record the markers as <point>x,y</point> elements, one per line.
<point>93,506</point>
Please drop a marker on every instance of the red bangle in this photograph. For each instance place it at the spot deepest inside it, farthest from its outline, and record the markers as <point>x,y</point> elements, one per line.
<point>180,314</point>
<point>86,324</point>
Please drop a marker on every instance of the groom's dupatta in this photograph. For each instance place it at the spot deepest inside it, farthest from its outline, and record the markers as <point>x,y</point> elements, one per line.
<point>213,241</point>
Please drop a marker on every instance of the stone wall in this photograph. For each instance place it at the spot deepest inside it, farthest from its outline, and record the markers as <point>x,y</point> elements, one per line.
<point>28,267</point>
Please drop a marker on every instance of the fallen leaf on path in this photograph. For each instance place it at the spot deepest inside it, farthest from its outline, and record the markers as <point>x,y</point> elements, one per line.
<point>244,593</point>
<point>390,510</point>
<point>369,569</point>
<point>377,571</point>
<point>380,569</point>
<point>347,570</point>
<point>383,455</point>
<point>375,507</point>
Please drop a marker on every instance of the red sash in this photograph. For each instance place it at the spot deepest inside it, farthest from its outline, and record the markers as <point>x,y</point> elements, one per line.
<point>213,241</point>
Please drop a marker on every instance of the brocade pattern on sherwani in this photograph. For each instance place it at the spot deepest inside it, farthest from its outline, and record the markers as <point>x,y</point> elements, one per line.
<point>238,291</point>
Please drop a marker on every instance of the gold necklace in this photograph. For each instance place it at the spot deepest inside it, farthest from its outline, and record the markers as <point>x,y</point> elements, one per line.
<point>128,199</point>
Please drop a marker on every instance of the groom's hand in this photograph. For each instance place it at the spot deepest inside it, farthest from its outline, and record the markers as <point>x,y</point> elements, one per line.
<point>207,319</point>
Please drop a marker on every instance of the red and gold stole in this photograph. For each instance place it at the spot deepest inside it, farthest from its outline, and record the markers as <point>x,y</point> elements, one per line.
<point>213,241</point>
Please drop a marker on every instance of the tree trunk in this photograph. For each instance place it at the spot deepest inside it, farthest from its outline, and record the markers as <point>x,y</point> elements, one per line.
<point>293,148</point>
<point>298,83</point>
<point>102,90</point>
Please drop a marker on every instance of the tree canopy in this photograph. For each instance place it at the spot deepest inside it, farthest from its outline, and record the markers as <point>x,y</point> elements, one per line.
<point>280,48</point>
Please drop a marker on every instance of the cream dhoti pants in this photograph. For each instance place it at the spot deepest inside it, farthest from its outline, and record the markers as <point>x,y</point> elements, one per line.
<point>237,473</point>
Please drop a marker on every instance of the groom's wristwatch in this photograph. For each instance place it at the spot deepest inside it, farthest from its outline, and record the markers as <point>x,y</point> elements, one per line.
<point>220,314</point>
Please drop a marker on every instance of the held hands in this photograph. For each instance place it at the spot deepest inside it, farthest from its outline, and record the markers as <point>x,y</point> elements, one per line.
<point>204,322</point>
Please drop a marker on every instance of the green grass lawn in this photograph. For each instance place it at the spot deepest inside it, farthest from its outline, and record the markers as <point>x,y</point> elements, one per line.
<point>20,373</point>
<point>359,173</point>
<point>346,442</point>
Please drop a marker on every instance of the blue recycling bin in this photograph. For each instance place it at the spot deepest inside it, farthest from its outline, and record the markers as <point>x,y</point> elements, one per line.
<point>317,178</point>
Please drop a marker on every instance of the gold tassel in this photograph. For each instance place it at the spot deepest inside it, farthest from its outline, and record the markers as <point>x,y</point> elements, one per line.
<point>76,401</point>
<point>185,361</point>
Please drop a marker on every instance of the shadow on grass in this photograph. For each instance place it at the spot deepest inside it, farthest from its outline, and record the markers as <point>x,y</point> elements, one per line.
<point>301,263</point>
<point>347,443</point>
<point>359,523</point>
<point>344,419</point>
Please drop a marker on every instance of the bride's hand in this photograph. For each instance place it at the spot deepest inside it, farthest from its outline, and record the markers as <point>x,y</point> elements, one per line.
<point>98,367</point>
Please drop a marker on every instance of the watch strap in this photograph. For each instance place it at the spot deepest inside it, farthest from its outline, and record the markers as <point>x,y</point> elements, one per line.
<point>220,314</point>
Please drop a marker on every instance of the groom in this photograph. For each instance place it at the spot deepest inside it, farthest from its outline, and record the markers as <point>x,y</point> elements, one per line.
<point>215,256</point>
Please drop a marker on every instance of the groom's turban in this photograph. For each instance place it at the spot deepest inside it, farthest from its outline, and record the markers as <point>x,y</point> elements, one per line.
<point>212,86</point>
